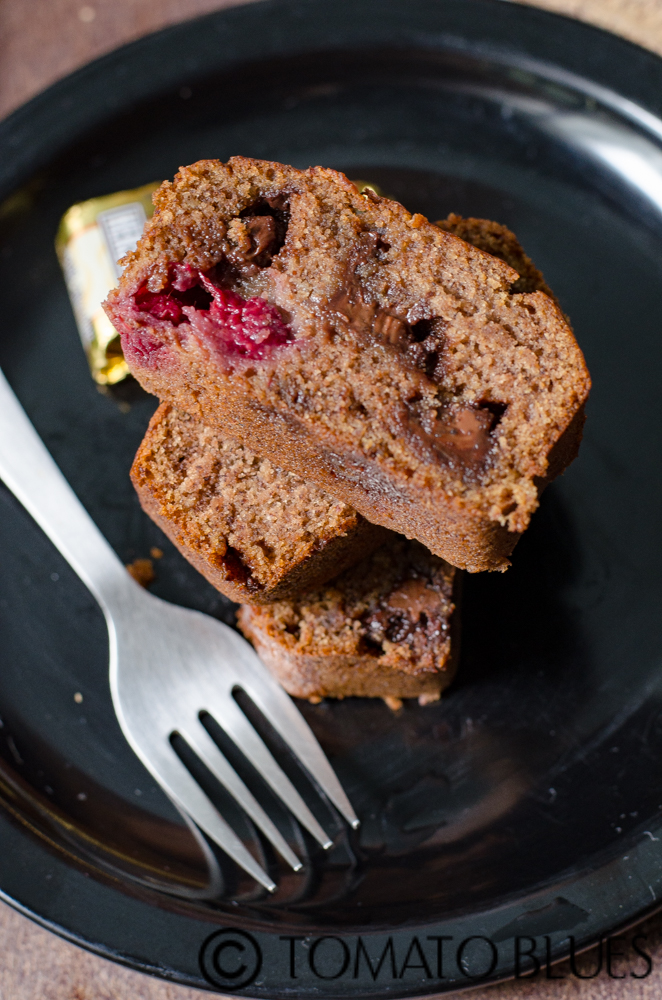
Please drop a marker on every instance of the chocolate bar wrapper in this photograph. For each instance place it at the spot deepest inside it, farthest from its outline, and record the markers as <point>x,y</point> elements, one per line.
<point>93,235</point>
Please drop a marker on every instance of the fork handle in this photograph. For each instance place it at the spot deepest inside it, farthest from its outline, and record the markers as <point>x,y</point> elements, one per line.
<point>31,474</point>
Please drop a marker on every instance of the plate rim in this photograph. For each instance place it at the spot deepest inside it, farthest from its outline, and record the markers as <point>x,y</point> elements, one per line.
<point>27,134</point>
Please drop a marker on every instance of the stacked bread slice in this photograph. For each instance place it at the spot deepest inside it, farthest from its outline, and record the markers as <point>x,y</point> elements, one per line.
<point>335,374</point>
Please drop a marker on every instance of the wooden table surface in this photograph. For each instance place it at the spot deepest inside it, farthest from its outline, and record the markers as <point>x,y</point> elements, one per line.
<point>41,41</point>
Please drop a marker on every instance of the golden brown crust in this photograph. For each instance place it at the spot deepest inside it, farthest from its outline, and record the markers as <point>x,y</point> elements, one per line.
<point>349,411</point>
<point>257,534</point>
<point>335,642</point>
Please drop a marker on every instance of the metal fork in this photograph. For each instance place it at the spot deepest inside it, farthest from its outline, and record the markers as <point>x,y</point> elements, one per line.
<point>168,665</point>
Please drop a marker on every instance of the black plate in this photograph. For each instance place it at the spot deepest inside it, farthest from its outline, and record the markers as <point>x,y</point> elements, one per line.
<point>528,801</point>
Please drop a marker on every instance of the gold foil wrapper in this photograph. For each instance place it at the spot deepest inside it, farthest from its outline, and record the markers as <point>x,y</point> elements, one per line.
<point>91,238</point>
<point>370,186</point>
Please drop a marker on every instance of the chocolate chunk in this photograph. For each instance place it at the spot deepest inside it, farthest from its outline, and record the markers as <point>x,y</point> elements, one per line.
<point>368,318</point>
<point>411,608</point>
<point>464,432</point>
<point>389,328</point>
<point>256,250</point>
<point>279,203</point>
<point>267,221</point>
<point>262,231</point>
<point>458,433</point>
<point>381,625</point>
<point>416,598</point>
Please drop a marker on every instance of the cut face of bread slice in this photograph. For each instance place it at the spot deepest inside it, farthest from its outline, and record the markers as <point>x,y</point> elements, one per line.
<point>500,242</point>
<point>380,630</point>
<point>370,352</point>
<point>256,533</point>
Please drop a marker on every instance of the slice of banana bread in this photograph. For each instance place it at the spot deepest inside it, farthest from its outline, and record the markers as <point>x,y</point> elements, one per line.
<point>380,630</point>
<point>256,533</point>
<point>386,360</point>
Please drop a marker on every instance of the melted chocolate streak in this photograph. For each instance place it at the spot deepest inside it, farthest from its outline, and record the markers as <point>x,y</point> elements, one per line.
<point>457,433</point>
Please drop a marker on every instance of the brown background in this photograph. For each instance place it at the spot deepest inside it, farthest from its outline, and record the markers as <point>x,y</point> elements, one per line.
<point>40,41</point>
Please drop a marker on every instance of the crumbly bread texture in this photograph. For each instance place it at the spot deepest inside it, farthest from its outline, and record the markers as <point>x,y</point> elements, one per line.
<point>501,242</point>
<point>380,630</point>
<point>390,362</point>
<point>256,533</point>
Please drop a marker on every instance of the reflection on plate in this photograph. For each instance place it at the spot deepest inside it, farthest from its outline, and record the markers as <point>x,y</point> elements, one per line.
<point>526,801</point>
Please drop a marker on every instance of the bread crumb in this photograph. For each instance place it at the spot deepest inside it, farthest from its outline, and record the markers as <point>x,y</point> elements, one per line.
<point>395,704</point>
<point>429,698</point>
<point>156,553</point>
<point>142,571</point>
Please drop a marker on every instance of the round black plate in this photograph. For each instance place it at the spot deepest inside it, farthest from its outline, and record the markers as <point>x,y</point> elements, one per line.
<point>527,802</point>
